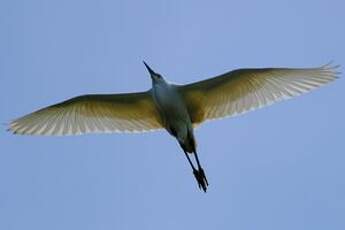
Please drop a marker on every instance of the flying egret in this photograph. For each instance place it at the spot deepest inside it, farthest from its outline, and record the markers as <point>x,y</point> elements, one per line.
<point>176,108</point>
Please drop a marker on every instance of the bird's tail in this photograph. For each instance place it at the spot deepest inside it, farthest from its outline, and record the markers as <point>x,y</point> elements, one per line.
<point>189,144</point>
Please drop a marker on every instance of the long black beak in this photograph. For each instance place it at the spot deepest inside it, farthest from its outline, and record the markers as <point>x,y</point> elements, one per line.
<point>149,69</point>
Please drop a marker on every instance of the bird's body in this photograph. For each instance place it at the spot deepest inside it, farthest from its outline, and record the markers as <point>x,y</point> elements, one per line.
<point>177,108</point>
<point>176,119</point>
<point>173,112</point>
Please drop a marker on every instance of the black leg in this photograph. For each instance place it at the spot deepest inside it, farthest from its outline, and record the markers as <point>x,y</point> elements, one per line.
<point>201,172</point>
<point>189,160</point>
<point>195,172</point>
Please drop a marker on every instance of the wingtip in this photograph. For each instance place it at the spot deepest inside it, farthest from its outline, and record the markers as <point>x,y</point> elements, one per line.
<point>8,125</point>
<point>327,64</point>
<point>12,131</point>
<point>332,68</point>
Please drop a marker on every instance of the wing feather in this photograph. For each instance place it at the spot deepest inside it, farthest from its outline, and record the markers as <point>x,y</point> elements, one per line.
<point>243,90</point>
<point>133,112</point>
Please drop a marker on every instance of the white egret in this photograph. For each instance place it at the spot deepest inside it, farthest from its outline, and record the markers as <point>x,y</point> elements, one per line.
<point>176,108</point>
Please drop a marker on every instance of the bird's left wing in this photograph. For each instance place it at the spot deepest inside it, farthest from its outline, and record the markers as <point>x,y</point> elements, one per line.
<point>243,90</point>
<point>131,112</point>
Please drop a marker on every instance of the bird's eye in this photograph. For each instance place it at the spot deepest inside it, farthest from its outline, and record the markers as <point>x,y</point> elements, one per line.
<point>159,76</point>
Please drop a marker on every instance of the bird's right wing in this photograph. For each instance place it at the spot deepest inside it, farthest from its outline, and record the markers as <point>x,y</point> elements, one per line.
<point>243,90</point>
<point>131,112</point>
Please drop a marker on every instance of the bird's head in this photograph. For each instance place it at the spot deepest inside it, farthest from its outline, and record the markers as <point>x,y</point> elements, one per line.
<point>156,77</point>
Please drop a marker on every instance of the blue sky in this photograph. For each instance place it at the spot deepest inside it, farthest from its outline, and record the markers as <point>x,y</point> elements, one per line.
<point>280,167</point>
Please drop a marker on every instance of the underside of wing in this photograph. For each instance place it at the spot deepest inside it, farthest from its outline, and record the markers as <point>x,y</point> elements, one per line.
<point>243,90</point>
<point>132,112</point>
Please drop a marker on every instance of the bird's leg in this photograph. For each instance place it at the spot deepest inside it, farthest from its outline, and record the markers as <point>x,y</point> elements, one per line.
<point>195,172</point>
<point>202,175</point>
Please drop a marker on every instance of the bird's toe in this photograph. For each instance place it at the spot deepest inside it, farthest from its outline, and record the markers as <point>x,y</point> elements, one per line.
<point>201,179</point>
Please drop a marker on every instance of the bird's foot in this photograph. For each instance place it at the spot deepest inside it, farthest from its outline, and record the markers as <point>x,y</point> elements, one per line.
<point>201,179</point>
<point>203,176</point>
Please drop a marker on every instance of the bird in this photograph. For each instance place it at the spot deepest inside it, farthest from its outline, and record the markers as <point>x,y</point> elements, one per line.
<point>178,109</point>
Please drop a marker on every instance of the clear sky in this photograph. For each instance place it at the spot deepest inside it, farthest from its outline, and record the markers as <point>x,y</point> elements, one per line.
<point>280,167</point>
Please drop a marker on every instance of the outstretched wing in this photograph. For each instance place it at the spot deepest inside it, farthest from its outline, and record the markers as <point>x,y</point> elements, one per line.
<point>243,90</point>
<point>132,112</point>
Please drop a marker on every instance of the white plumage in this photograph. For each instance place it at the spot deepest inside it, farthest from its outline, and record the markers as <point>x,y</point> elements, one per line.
<point>230,94</point>
<point>177,108</point>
